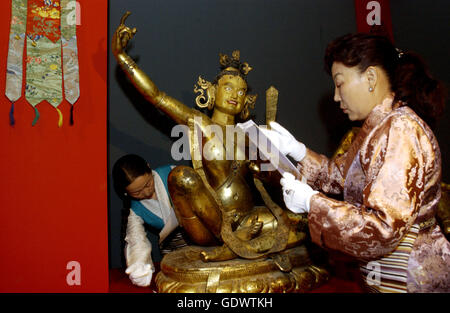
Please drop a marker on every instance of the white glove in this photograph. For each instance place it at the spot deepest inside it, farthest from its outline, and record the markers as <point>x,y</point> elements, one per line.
<point>296,194</point>
<point>140,274</point>
<point>285,142</point>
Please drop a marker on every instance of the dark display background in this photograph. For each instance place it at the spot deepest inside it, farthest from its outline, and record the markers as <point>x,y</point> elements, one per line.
<point>284,42</point>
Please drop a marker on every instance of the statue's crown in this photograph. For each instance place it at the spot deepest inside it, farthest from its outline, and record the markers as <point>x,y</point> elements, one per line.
<point>234,62</point>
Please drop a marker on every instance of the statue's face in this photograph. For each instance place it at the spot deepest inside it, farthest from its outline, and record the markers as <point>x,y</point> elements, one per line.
<point>231,94</point>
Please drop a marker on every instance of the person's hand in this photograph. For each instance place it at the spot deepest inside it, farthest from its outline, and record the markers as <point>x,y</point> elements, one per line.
<point>296,194</point>
<point>140,274</point>
<point>285,142</point>
<point>122,35</point>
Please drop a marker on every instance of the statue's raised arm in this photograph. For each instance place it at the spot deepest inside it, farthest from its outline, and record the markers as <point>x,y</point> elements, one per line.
<point>179,112</point>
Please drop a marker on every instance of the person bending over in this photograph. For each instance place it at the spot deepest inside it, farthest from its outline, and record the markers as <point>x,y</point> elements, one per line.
<point>151,206</point>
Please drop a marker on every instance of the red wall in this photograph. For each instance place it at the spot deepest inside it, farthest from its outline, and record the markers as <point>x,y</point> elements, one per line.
<point>53,181</point>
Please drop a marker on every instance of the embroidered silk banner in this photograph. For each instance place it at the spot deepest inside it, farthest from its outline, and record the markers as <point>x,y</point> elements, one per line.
<point>14,70</point>
<point>70,53</point>
<point>44,73</point>
<point>51,44</point>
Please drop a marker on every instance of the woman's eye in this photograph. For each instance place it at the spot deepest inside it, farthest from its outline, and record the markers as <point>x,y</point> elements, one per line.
<point>240,92</point>
<point>227,88</point>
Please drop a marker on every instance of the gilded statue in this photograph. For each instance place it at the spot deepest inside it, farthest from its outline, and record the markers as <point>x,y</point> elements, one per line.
<point>213,199</point>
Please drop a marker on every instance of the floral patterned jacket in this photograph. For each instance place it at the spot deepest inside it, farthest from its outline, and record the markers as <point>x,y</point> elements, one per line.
<point>390,181</point>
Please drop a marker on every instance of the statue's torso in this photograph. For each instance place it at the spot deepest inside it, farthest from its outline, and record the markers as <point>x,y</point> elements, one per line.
<point>226,177</point>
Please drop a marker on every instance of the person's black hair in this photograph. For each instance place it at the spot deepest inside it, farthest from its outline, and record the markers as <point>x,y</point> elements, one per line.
<point>126,170</point>
<point>408,75</point>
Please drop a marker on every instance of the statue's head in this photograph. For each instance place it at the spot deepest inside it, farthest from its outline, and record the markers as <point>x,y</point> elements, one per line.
<point>229,91</point>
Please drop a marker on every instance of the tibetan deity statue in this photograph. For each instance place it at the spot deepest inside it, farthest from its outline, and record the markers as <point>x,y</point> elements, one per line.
<point>238,246</point>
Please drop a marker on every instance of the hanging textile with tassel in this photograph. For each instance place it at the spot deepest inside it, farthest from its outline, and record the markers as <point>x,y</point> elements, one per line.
<point>44,72</point>
<point>70,53</point>
<point>14,70</point>
<point>49,29</point>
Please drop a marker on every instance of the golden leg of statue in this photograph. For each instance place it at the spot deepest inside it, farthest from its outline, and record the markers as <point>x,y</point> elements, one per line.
<point>196,210</point>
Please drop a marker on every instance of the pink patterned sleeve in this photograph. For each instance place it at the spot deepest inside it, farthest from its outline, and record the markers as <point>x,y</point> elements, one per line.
<point>322,173</point>
<point>398,162</point>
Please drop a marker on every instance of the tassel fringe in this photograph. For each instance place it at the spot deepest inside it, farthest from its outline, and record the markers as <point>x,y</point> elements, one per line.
<point>71,115</point>
<point>60,121</point>
<point>36,116</point>
<point>12,121</point>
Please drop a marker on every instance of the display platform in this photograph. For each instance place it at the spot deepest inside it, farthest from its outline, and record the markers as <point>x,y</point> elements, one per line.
<point>343,280</point>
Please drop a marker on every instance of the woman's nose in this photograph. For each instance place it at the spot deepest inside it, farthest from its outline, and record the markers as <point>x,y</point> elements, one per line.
<point>147,193</point>
<point>337,96</point>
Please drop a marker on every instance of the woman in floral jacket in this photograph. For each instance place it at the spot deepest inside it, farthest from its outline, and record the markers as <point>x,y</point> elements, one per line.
<point>389,177</point>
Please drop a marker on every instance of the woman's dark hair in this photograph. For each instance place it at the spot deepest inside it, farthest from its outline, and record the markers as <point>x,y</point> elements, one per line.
<point>127,169</point>
<point>407,73</point>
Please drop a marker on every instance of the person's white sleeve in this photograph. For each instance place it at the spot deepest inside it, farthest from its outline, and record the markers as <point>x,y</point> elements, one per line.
<point>170,223</point>
<point>138,251</point>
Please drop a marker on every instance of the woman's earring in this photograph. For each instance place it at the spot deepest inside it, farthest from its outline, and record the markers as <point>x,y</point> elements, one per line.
<point>370,89</point>
<point>125,194</point>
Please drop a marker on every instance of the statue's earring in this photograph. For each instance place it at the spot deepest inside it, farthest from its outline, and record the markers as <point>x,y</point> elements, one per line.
<point>370,89</point>
<point>249,104</point>
<point>202,100</point>
<point>211,93</point>
<point>244,113</point>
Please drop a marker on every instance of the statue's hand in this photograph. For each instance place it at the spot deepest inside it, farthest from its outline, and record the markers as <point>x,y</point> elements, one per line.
<point>269,177</point>
<point>122,35</point>
<point>250,229</point>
